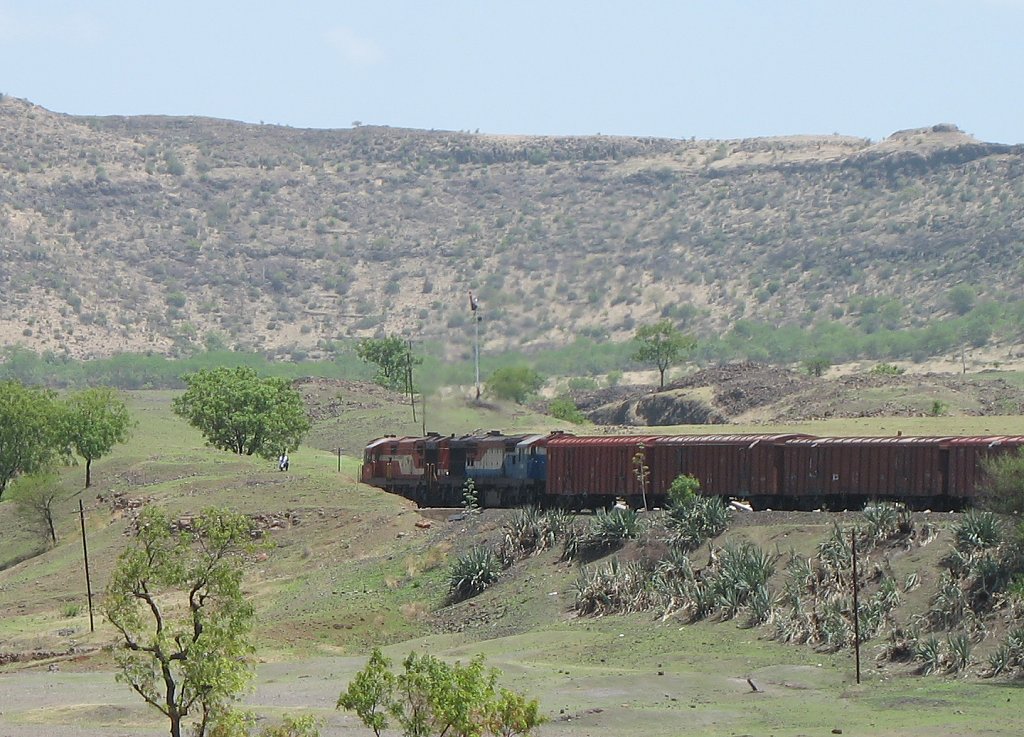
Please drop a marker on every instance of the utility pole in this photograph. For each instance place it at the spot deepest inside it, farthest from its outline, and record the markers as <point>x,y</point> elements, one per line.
<point>85,554</point>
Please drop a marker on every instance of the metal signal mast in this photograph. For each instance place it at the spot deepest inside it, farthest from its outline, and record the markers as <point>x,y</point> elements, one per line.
<point>474,306</point>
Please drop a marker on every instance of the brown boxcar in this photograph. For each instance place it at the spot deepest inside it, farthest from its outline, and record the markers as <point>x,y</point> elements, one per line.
<point>593,471</point>
<point>848,472</point>
<point>726,465</point>
<point>965,456</point>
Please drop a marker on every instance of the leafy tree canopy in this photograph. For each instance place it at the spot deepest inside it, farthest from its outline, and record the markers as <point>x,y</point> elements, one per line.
<point>30,420</point>
<point>661,344</point>
<point>563,408</point>
<point>95,421</point>
<point>515,383</point>
<point>237,410</point>
<point>392,357</point>
<point>176,600</point>
<point>433,698</point>
<point>817,366</point>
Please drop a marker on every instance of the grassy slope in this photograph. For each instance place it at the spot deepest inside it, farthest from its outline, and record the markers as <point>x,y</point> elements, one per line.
<point>352,569</point>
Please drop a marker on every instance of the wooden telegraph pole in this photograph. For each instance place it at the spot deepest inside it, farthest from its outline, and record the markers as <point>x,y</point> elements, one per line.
<point>85,553</point>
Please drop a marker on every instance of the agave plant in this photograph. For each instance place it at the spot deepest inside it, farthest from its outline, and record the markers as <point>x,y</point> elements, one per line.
<point>473,572</point>
<point>929,652</point>
<point>529,531</point>
<point>999,660</point>
<point>836,553</point>
<point>607,531</point>
<point>977,531</point>
<point>882,520</point>
<point>614,588</point>
<point>949,605</point>
<point>959,646</point>
<point>702,518</point>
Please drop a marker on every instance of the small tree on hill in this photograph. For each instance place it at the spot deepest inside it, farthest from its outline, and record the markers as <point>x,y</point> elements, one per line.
<point>392,357</point>
<point>35,498</point>
<point>237,410</point>
<point>95,421</point>
<point>663,345</point>
<point>177,602</point>
<point>29,423</point>
<point>816,366</point>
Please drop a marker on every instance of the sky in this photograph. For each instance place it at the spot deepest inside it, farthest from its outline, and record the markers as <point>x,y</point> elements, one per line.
<point>713,69</point>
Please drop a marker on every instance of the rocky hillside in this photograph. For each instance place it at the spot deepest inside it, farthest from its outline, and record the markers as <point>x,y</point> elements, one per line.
<point>167,234</point>
<point>756,393</point>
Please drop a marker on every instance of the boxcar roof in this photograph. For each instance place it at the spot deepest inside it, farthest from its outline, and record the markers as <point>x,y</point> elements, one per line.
<point>870,440</point>
<point>749,439</point>
<point>601,439</point>
<point>987,440</point>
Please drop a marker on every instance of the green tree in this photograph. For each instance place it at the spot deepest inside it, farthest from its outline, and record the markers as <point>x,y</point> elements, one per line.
<point>35,496</point>
<point>238,410</point>
<point>663,345</point>
<point>432,698</point>
<point>184,623</point>
<point>962,298</point>
<point>515,383</point>
<point>563,408</point>
<point>29,424</point>
<point>816,366</point>
<point>392,358</point>
<point>95,421</point>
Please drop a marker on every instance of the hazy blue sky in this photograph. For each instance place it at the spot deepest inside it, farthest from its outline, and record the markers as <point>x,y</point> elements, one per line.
<point>705,68</point>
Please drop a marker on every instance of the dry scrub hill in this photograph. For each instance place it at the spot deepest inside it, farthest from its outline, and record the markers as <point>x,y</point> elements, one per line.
<point>167,234</point>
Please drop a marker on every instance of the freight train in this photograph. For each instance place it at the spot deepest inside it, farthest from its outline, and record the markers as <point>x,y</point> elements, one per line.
<point>782,471</point>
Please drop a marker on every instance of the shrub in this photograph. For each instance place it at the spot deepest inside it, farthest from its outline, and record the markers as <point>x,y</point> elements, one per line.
<point>563,408</point>
<point>515,383</point>
<point>473,572</point>
<point>816,366</point>
<point>1003,487</point>
<point>887,369</point>
<point>683,491</point>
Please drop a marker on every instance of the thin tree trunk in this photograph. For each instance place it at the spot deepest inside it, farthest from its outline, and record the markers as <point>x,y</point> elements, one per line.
<point>49,521</point>
<point>88,472</point>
